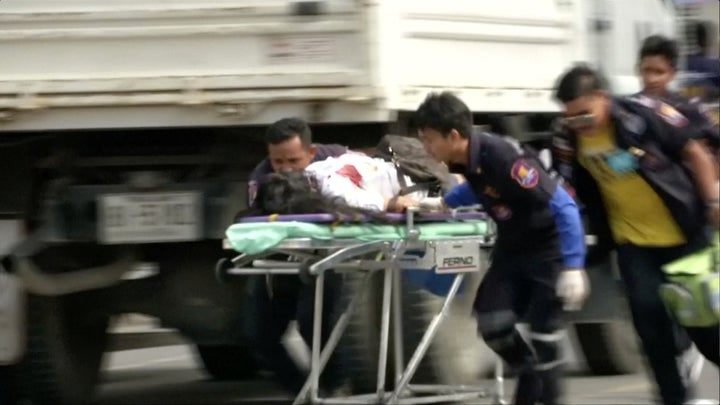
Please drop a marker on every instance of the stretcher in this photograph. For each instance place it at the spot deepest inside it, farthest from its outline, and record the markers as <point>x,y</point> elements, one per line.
<point>452,244</point>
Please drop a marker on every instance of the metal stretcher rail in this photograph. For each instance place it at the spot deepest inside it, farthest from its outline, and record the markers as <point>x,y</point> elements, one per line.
<point>347,255</point>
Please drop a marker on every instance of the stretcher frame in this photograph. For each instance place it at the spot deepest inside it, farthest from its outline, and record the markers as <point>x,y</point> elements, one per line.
<point>343,257</point>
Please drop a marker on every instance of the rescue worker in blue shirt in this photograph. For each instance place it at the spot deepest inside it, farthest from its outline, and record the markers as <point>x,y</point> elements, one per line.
<point>538,257</point>
<point>274,301</point>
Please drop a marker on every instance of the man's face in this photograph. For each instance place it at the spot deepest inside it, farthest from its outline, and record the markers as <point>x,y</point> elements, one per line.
<point>586,113</point>
<point>290,155</point>
<point>441,148</point>
<point>656,74</point>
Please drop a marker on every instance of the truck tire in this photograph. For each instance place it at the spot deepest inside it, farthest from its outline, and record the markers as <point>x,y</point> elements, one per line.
<point>359,345</point>
<point>456,355</point>
<point>228,362</point>
<point>610,348</point>
<point>64,351</point>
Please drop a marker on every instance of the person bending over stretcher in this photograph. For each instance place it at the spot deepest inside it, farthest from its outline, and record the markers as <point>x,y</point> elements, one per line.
<point>539,254</point>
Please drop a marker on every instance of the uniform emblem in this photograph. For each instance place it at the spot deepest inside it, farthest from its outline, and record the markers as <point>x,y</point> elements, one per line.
<point>671,115</point>
<point>491,192</point>
<point>252,191</point>
<point>526,175</point>
<point>502,212</point>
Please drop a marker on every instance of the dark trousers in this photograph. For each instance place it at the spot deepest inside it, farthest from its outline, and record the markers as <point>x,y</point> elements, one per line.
<point>523,288</point>
<point>268,318</point>
<point>640,268</point>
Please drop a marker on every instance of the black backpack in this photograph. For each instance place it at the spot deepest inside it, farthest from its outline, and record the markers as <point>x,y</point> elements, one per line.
<point>411,159</point>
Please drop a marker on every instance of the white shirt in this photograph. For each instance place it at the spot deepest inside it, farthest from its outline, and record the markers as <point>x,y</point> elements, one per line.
<point>361,181</point>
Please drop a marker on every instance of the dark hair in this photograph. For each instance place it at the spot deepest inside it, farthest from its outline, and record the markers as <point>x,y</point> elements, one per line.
<point>293,193</point>
<point>701,31</point>
<point>579,81</point>
<point>658,45</point>
<point>288,128</point>
<point>444,112</point>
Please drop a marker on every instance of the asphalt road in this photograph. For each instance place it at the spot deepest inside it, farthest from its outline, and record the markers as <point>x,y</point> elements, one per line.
<point>170,375</point>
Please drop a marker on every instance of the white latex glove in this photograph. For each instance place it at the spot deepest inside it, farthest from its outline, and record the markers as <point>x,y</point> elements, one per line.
<point>432,204</point>
<point>573,287</point>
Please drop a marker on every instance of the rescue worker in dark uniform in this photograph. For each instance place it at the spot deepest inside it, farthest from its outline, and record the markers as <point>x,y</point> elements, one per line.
<point>627,162</point>
<point>290,148</point>
<point>657,64</point>
<point>274,301</point>
<point>538,258</point>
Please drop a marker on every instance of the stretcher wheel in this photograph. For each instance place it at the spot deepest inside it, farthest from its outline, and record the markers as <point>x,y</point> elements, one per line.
<point>221,270</point>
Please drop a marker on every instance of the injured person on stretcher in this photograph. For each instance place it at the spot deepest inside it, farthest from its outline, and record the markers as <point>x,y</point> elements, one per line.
<point>357,183</point>
<point>352,183</point>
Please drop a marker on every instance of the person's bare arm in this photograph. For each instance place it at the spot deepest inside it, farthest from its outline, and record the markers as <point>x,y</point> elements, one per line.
<point>702,167</point>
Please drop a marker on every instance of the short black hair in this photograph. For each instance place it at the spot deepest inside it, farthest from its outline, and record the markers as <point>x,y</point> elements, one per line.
<point>658,45</point>
<point>701,31</point>
<point>578,81</point>
<point>288,128</point>
<point>444,112</point>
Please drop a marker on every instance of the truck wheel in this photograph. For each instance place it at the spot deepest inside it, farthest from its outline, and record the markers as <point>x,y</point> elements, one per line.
<point>610,348</point>
<point>456,355</point>
<point>65,344</point>
<point>359,345</point>
<point>227,362</point>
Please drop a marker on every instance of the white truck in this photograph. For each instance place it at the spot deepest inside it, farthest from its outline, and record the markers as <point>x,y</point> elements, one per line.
<point>128,129</point>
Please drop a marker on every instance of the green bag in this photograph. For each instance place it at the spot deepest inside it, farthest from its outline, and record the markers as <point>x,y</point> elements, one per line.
<point>693,294</point>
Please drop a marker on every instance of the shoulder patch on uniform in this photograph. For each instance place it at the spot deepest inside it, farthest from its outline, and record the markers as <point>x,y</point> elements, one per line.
<point>525,174</point>
<point>670,115</point>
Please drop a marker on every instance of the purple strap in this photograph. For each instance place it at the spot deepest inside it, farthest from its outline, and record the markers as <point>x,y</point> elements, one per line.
<point>391,217</point>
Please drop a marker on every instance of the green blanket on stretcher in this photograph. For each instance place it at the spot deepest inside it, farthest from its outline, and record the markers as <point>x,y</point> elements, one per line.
<point>257,237</point>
